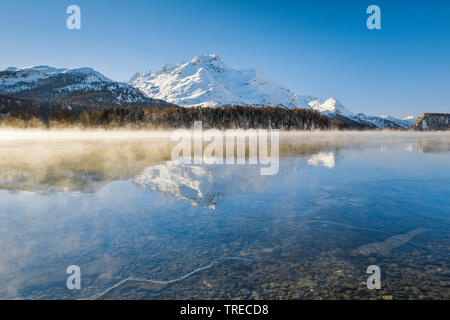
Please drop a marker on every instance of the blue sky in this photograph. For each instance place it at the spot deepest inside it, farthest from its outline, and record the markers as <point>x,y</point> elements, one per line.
<point>321,48</point>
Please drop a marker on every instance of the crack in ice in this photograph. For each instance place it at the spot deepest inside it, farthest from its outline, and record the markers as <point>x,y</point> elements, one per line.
<point>185,276</point>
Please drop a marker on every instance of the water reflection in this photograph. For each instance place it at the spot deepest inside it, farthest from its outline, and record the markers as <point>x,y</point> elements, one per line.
<point>87,166</point>
<point>74,166</point>
<point>433,145</point>
<point>124,210</point>
<point>325,159</point>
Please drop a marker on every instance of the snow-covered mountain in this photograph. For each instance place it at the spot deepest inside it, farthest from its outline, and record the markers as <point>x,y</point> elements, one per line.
<point>330,106</point>
<point>203,81</point>
<point>49,83</point>
<point>406,122</point>
<point>333,109</point>
<point>207,81</point>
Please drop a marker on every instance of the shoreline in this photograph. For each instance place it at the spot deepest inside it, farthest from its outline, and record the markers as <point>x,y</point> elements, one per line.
<point>13,134</point>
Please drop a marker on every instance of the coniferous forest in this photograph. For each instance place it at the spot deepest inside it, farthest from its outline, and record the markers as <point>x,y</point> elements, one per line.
<point>28,113</point>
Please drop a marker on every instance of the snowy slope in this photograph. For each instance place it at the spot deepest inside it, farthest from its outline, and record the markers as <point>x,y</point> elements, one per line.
<point>48,83</point>
<point>14,80</point>
<point>406,122</point>
<point>207,81</point>
<point>332,108</point>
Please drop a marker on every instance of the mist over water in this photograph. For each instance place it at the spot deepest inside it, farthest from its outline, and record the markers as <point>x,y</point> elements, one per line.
<point>115,204</point>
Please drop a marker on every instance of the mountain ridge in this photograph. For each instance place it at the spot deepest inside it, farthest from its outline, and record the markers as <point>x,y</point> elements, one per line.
<point>333,109</point>
<point>204,80</point>
<point>207,81</point>
<point>69,86</point>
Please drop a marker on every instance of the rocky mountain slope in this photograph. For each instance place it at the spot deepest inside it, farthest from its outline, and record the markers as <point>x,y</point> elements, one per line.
<point>433,122</point>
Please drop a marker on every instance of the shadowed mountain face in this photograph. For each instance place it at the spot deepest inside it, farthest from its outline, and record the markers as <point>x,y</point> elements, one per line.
<point>433,122</point>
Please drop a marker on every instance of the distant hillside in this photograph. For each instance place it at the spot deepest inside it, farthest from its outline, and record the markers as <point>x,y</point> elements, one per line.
<point>69,87</point>
<point>333,109</point>
<point>432,122</point>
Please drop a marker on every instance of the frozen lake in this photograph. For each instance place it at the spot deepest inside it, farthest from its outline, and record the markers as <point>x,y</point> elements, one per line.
<point>141,226</point>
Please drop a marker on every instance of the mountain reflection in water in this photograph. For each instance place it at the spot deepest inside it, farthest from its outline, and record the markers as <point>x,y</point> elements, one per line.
<point>122,209</point>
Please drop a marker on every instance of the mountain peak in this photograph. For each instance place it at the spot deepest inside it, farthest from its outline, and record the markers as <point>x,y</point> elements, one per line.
<point>207,81</point>
<point>205,58</point>
<point>210,62</point>
<point>331,105</point>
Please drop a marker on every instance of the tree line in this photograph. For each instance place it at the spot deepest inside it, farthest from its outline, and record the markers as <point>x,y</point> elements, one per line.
<point>25,113</point>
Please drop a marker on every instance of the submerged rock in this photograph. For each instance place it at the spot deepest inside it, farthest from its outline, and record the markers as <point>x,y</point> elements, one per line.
<point>385,247</point>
